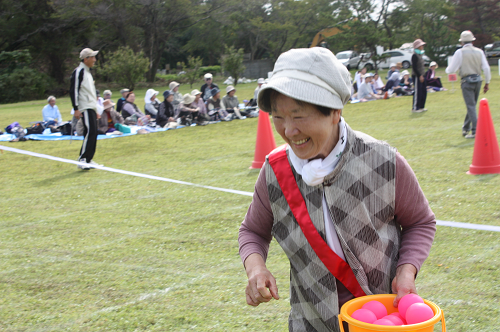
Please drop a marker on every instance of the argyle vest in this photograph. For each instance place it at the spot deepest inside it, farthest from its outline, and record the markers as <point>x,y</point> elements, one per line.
<point>360,194</point>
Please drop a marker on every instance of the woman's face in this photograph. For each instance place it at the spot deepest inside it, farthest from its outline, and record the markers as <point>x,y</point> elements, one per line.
<point>231,93</point>
<point>131,98</point>
<point>170,98</point>
<point>309,133</point>
<point>363,70</point>
<point>176,89</point>
<point>433,67</point>
<point>197,97</point>
<point>153,98</point>
<point>216,96</point>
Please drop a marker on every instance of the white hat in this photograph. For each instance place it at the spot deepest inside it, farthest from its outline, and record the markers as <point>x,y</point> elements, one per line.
<point>188,99</point>
<point>433,63</point>
<point>367,75</point>
<point>466,37</point>
<point>195,92</point>
<point>405,72</point>
<point>107,92</point>
<point>86,52</point>
<point>149,94</point>
<point>392,65</point>
<point>229,88</point>
<point>50,97</point>
<point>173,84</point>
<point>208,75</point>
<point>260,81</point>
<point>313,75</point>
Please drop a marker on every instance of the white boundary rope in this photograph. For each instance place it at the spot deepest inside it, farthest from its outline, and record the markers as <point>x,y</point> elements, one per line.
<point>237,192</point>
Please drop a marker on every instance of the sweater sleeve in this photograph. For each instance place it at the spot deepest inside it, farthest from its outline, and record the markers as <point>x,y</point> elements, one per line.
<point>255,231</point>
<point>415,65</point>
<point>413,213</point>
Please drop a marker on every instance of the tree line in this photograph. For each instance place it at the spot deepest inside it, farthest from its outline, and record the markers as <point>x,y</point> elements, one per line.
<point>41,39</point>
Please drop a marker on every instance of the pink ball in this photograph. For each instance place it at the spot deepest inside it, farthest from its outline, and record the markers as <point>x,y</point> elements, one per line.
<point>398,315</point>
<point>406,301</point>
<point>377,308</point>
<point>384,321</point>
<point>395,319</point>
<point>364,315</point>
<point>418,313</point>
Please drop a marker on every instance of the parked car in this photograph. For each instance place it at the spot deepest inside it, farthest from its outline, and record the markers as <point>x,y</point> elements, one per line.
<point>350,59</point>
<point>393,56</point>
<point>493,50</point>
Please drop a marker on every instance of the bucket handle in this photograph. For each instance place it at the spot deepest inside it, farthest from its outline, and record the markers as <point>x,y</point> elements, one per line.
<point>443,324</point>
<point>341,324</point>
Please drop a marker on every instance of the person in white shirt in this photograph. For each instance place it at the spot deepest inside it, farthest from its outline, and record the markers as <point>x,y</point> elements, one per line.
<point>365,92</point>
<point>83,97</point>
<point>470,60</point>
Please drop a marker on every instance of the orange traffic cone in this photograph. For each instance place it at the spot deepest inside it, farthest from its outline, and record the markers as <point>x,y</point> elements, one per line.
<point>265,140</point>
<point>486,157</point>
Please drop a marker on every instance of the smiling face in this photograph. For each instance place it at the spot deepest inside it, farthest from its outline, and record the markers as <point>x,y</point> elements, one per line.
<point>309,133</point>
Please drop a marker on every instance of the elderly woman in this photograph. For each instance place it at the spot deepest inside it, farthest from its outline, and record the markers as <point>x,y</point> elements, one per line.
<point>215,112</point>
<point>174,89</point>
<point>152,104</point>
<point>198,103</point>
<point>230,103</point>
<point>431,79</point>
<point>166,114</point>
<point>131,113</point>
<point>346,208</point>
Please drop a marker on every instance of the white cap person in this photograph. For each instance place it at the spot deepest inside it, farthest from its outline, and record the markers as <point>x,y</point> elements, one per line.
<point>347,185</point>
<point>207,87</point>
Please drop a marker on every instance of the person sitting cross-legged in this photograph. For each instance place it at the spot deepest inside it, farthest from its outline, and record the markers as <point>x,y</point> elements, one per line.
<point>365,92</point>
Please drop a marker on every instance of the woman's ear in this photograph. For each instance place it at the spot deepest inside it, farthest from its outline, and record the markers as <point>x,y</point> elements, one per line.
<point>336,114</point>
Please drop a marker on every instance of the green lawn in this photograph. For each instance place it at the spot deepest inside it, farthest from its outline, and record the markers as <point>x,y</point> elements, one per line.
<point>100,251</point>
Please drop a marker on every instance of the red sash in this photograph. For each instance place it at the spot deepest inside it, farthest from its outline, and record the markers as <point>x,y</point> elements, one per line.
<point>336,265</point>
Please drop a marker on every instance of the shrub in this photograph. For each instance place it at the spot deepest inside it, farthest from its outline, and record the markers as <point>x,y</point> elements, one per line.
<point>24,84</point>
<point>126,67</point>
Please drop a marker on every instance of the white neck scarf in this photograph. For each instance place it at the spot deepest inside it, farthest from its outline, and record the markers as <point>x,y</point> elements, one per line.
<point>313,172</point>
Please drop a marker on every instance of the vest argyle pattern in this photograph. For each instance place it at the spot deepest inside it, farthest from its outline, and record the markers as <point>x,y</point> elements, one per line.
<point>360,194</point>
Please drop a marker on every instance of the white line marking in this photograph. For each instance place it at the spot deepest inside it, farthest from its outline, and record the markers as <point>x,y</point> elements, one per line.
<point>238,192</point>
<point>114,170</point>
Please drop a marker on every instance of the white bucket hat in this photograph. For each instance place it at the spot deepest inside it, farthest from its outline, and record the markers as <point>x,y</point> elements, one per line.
<point>260,81</point>
<point>433,63</point>
<point>313,75</point>
<point>405,72</point>
<point>195,92</point>
<point>466,37</point>
<point>173,84</point>
<point>229,88</point>
<point>188,99</point>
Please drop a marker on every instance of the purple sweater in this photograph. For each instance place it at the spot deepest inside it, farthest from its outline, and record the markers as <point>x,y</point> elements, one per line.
<point>412,212</point>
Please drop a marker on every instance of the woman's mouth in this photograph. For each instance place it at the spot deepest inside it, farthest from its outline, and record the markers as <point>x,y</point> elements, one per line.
<point>302,141</point>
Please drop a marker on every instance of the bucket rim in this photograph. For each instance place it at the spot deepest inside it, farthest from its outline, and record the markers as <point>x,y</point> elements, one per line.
<point>413,327</point>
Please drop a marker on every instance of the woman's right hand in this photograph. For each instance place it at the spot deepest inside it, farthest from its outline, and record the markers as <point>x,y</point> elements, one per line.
<point>261,283</point>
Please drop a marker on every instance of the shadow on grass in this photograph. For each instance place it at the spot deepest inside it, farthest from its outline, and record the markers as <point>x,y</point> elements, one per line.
<point>58,178</point>
<point>484,177</point>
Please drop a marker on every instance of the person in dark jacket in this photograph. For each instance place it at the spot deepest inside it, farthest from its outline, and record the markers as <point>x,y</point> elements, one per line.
<point>166,113</point>
<point>206,89</point>
<point>121,101</point>
<point>431,79</point>
<point>418,77</point>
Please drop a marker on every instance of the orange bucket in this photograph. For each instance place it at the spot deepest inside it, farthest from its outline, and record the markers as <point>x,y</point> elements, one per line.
<point>386,299</point>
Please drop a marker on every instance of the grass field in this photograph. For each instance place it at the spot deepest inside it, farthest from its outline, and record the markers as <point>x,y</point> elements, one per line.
<point>99,251</point>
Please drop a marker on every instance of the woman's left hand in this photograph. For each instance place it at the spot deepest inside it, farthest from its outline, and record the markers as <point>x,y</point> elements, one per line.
<point>404,282</point>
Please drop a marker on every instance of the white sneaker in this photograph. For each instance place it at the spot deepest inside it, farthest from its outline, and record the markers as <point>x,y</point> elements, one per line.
<point>93,163</point>
<point>83,167</point>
